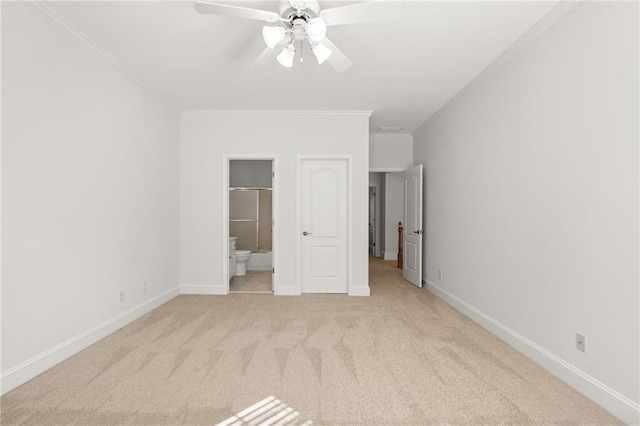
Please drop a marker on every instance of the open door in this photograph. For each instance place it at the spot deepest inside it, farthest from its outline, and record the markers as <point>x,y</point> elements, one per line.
<point>412,235</point>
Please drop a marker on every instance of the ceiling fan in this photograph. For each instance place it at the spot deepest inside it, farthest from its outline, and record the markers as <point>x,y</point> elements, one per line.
<point>300,21</point>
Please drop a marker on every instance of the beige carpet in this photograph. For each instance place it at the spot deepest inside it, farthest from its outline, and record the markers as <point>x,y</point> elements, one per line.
<point>401,356</point>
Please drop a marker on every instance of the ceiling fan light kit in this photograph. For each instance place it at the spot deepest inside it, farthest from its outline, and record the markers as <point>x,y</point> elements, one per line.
<point>272,35</point>
<point>321,52</point>
<point>301,20</point>
<point>285,58</point>
<point>316,29</point>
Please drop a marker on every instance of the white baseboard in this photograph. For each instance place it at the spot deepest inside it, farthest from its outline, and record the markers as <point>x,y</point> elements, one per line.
<point>287,291</point>
<point>360,291</point>
<point>29,369</point>
<point>202,289</point>
<point>390,255</point>
<point>620,406</point>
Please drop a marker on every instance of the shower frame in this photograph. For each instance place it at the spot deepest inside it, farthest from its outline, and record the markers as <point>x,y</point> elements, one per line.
<point>258,222</point>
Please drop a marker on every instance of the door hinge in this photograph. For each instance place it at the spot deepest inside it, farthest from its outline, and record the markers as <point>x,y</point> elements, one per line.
<point>273,270</point>
<point>273,174</point>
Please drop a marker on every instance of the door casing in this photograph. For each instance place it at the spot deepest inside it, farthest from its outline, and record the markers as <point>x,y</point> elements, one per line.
<point>226,158</point>
<point>373,219</point>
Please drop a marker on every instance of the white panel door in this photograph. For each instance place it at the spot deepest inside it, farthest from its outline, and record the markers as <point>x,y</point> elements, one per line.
<point>323,222</point>
<point>412,237</point>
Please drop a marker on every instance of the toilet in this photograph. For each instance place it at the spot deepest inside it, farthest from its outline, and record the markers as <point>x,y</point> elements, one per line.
<point>241,262</point>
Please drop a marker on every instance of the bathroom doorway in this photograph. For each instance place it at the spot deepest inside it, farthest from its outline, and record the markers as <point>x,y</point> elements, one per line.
<point>250,225</point>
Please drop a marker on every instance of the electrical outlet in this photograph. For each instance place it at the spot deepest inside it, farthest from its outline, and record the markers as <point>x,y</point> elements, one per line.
<point>439,274</point>
<point>581,342</point>
<point>145,286</point>
<point>121,295</point>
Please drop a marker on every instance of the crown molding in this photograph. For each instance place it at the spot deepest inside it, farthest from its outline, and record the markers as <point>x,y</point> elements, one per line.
<point>309,113</point>
<point>53,18</point>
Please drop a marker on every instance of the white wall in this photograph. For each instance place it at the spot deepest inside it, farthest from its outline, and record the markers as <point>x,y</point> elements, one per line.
<point>532,201</point>
<point>390,152</point>
<point>208,135</point>
<point>394,213</point>
<point>89,196</point>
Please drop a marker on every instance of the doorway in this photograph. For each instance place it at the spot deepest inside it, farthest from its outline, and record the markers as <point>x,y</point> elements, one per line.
<point>250,189</point>
<point>400,200</point>
<point>373,206</point>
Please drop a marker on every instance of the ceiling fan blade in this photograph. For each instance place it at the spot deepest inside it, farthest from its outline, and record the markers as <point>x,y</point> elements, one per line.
<point>337,59</point>
<point>371,11</point>
<point>269,54</point>
<point>235,11</point>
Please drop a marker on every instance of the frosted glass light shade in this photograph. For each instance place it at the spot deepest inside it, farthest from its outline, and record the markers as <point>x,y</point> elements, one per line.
<point>272,35</point>
<point>321,52</point>
<point>286,56</point>
<point>316,29</point>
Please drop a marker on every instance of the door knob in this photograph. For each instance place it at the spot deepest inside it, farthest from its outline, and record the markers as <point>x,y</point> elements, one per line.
<point>418,232</point>
<point>305,233</point>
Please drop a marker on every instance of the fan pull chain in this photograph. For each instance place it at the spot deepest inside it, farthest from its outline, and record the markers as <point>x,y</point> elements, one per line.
<point>301,50</point>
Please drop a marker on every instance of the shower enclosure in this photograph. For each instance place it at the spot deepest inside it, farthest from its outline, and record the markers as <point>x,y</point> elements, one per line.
<point>250,218</point>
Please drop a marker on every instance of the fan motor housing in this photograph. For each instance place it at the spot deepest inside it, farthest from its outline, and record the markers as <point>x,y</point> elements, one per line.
<point>298,26</point>
<point>307,9</point>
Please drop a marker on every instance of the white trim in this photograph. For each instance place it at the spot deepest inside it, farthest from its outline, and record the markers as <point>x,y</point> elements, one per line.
<point>351,288</point>
<point>53,18</point>
<point>29,369</point>
<point>288,291</point>
<point>376,218</point>
<point>360,291</point>
<point>386,170</point>
<point>298,285</point>
<point>310,113</point>
<point>225,225</point>
<point>350,254</point>
<point>225,215</point>
<point>612,401</point>
<point>203,289</point>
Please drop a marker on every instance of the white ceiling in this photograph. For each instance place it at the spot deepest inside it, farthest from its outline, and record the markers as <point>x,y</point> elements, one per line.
<point>404,70</point>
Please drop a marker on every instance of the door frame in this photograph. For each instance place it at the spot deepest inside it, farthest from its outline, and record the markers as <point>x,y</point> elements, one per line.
<point>349,159</point>
<point>226,159</point>
<point>375,216</point>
